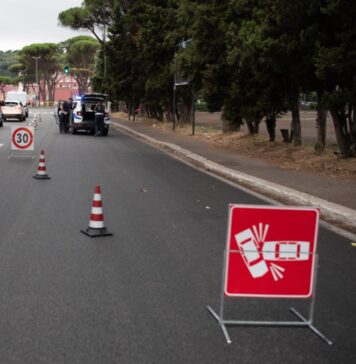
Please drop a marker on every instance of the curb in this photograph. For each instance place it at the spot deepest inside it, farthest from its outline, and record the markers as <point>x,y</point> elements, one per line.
<point>332,212</point>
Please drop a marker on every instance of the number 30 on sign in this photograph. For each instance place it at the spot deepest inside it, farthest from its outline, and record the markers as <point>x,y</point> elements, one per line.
<point>22,138</point>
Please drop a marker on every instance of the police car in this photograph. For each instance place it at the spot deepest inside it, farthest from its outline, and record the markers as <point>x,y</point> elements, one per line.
<point>83,114</point>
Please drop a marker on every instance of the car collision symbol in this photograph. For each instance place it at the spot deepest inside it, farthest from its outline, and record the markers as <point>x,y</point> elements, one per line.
<point>258,254</point>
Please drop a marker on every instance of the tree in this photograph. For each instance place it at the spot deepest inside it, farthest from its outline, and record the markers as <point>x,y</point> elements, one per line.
<point>93,15</point>
<point>336,68</point>
<point>255,84</point>
<point>49,65</point>
<point>5,80</point>
<point>80,57</point>
<point>140,54</point>
<point>6,60</point>
<point>155,38</point>
<point>204,61</point>
<point>27,78</point>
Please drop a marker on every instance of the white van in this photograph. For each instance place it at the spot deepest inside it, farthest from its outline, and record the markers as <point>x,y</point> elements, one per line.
<point>19,96</point>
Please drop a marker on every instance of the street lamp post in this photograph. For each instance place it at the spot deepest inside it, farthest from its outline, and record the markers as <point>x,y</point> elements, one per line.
<point>38,92</point>
<point>104,39</point>
<point>174,92</point>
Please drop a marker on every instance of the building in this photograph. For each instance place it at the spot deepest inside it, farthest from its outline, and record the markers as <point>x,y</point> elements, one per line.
<point>66,87</point>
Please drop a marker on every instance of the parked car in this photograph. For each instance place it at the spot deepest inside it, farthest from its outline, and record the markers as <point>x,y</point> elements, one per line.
<point>20,96</point>
<point>13,110</point>
<point>83,114</point>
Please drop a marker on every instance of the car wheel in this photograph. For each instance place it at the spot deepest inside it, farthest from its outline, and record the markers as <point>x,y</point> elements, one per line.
<point>1,123</point>
<point>74,131</point>
<point>105,132</point>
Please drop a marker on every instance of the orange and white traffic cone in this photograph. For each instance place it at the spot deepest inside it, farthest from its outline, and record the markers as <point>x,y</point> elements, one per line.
<point>96,226</point>
<point>41,170</point>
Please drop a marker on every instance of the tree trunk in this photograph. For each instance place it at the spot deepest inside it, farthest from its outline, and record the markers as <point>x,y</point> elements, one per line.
<point>253,126</point>
<point>230,126</point>
<point>43,92</point>
<point>321,126</point>
<point>271,127</point>
<point>50,89</point>
<point>339,121</point>
<point>297,132</point>
<point>3,92</point>
<point>353,126</point>
<point>351,123</point>
<point>160,114</point>
<point>185,112</point>
<point>168,111</point>
<point>250,128</point>
<point>256,125</point>
<point>130,110</point>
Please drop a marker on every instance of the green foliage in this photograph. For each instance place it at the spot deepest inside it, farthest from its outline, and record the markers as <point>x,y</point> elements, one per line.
<point>77,18</point>
<point>49,56</point>
<point>139,55</point>
<point>48,63</point>
<point>250,59</point>
<point>80,52</point>
<point>5,80</point>
<point>92,16</point>
<point>7,59</point>
<point>79,58</point>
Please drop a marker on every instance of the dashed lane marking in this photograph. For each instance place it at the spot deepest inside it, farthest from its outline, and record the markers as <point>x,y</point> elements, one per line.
<point>1,145</point>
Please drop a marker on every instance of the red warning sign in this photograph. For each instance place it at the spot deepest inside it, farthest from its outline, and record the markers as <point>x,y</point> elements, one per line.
<point>271,251</point>
<point>22,138</point>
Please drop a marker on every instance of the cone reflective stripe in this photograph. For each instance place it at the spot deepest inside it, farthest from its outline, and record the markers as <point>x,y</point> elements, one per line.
<point>41,170</point>
<point>97,216</point>
<point>96,223</point>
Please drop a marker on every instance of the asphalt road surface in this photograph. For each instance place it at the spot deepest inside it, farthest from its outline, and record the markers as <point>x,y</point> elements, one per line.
<point>140,296</point>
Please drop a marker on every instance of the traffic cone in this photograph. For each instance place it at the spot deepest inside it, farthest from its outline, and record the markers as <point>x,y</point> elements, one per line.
<point>96,226</point>
<point>41,170</point>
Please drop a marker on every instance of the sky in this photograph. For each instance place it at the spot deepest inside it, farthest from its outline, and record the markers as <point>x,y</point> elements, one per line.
<point>24,22</point>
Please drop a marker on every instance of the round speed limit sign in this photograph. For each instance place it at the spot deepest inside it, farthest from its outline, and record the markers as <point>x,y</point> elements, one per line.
<point>22,138</point>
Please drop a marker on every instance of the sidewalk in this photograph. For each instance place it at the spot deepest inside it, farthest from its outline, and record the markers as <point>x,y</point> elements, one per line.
<point>336,198</point>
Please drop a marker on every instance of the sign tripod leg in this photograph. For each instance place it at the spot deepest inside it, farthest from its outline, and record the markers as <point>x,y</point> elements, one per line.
<point>312,309</point>
<point>311,326</point>
<point>220,318</point>
<point>303,323</point>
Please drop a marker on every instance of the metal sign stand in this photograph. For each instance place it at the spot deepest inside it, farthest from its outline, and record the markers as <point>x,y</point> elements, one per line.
<point>304,322</point>
<point>21,156</point>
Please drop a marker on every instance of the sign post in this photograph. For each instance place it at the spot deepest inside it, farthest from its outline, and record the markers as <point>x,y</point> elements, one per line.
<point>270,253</point>
<point>22,139</point>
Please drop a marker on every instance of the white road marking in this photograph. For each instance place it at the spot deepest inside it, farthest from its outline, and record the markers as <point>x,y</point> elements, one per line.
<point>1,145</point>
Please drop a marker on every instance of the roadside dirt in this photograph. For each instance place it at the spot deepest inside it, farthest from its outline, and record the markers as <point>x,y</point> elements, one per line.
<point>284,155</point>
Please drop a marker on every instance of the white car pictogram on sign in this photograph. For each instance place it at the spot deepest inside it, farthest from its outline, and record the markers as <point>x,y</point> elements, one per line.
<point>256,252</point>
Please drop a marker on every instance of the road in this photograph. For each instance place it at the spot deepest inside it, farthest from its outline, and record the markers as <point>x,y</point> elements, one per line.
<point>141,295</point>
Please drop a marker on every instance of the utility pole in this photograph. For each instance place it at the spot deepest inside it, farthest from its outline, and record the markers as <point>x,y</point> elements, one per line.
<point>38,92</point>
<point>104,51</point>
